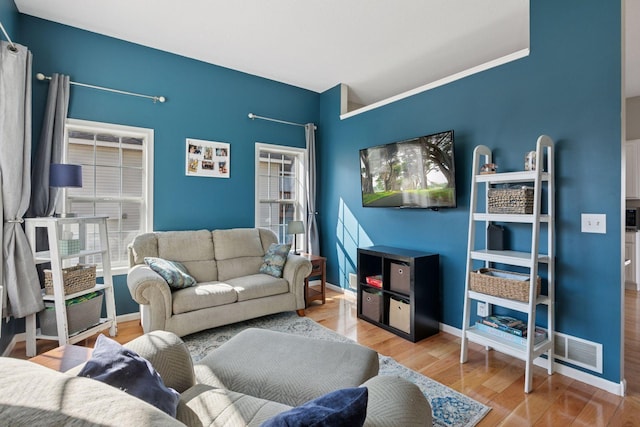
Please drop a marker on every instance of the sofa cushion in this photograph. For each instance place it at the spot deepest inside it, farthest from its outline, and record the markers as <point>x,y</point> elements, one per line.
<point>173,272</point>
<point>186,245</point>
<point>120,367</point>
<point>203,295</point>
<point>274,259</point>
<point>258,286</point>
<point>202,271</point>
<point>267,237</point>
<point>237,242</point>
<point>238,267</point>
<point>341,408</point>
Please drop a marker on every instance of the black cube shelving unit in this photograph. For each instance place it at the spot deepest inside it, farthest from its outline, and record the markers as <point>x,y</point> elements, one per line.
<point>412,314</point>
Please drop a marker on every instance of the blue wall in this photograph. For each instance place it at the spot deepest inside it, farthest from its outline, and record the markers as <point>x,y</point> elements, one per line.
<point>9,18</point>
<point>569,89</point>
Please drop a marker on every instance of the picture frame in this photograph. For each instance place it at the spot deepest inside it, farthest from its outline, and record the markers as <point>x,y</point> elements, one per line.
<point>210,159</point>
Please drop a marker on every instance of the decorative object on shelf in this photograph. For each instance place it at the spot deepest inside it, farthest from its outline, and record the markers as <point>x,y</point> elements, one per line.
<point>295,228</point>
<point>515,200</point>
<point>68,245</point>
<point>62,175</point>
<point>76,279</point>
<point>495,237</point>
<point>208,158</point>
<point>488,168</point>
<point>540,336</point>
<point>375,280</point>
<point>530,161</point>
<point>503,284</point>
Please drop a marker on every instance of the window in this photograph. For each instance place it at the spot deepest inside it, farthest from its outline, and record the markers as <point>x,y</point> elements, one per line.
<point>117,181</point>
<point>280,189</point>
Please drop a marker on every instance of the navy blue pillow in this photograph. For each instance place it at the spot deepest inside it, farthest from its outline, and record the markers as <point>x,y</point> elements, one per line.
<point>341,408</point>
<point>120,367</point>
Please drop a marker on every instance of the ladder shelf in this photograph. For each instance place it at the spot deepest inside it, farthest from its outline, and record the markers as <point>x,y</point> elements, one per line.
<point>543,176</point>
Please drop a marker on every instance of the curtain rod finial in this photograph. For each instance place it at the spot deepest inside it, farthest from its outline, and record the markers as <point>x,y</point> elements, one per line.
<point>40,76</point>
<point>251,116</point>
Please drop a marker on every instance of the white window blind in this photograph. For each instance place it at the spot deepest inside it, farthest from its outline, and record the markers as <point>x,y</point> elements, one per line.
<point>116,181</point>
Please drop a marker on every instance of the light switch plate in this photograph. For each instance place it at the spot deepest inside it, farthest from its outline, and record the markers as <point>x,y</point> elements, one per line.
<point>594,223</point>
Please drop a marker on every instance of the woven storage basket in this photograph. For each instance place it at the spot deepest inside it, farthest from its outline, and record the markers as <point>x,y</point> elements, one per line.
<point>75,279</point>
<point>510,200</point>
<point>503,284</point>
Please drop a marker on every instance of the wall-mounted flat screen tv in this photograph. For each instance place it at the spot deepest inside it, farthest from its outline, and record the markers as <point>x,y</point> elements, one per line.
<point>416,173</point>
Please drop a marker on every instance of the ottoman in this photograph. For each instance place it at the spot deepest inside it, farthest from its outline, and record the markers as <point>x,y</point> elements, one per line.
<point>286,368</point>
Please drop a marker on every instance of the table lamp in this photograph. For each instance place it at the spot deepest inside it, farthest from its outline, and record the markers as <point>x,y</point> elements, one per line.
<point>62,175</point>
<point>295,228</point>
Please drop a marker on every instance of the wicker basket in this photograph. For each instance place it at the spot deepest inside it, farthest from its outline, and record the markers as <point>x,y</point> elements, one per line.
<point>75,279</point>
<point>503,284</point>
<point>510,200</point>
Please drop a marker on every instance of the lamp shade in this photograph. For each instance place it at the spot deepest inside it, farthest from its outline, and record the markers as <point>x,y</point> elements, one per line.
<point>295,227</point>
<point>65,175</point>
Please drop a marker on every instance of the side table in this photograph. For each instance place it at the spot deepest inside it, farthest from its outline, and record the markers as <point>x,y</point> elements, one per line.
<point>318,269</point>
<point>64,357</point>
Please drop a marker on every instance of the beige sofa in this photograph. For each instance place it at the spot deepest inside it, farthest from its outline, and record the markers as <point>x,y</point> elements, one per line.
<point>32,395</point>
<point>226,265</point>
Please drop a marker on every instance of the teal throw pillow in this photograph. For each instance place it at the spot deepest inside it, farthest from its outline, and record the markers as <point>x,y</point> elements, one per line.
<point>175,274</point>
<point>340,408</point>
<point>274,259</point>
<point>113,364</point>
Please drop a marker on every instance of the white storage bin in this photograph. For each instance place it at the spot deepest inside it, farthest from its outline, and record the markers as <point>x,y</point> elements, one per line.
<point>400,315</point>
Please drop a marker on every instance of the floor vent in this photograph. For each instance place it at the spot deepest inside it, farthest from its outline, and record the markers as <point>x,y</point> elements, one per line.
<point>579,352</point>
<point>353,281</point>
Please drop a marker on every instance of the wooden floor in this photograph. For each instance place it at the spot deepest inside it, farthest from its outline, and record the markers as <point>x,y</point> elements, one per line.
<point>489,377</point>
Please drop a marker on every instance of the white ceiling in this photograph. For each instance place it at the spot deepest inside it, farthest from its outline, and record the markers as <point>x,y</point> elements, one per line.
<point>379,48</point>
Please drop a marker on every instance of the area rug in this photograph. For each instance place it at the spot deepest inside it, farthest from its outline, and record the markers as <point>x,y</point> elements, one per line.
<point>450,408</point>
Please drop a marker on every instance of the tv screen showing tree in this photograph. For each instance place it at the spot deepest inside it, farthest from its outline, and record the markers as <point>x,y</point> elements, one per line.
<point>416,173</point>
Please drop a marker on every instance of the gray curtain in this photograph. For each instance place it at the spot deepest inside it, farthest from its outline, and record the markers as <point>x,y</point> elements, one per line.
<point>49,149</point>
<point>313,240</point>
<point>19,272</point>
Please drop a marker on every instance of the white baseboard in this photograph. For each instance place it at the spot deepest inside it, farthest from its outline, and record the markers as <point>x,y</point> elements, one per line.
<point>334,287</point>
<point>128,317</point>
<point>567,371</point>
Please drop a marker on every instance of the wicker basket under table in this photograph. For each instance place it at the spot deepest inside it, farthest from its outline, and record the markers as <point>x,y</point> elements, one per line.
<point>75,279</point>
<point>503,284</point>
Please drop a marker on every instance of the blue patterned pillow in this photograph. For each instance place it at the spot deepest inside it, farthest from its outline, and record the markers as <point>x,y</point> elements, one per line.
<point>274,259</point>
<point>122,368</point>
<point>340,408</point>
<point>173,272</point>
